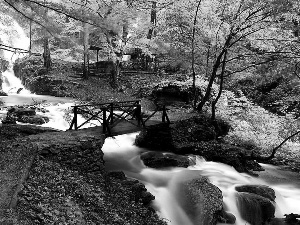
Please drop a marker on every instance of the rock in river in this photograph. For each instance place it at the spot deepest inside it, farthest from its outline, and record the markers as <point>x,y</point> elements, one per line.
<point>159,160</point>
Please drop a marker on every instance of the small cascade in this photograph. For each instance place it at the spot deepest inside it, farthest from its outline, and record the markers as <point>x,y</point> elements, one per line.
<point>12,35</point>
<point>11,84</point>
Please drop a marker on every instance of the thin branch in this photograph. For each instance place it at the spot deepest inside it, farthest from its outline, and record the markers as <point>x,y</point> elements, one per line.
<point>248,67</point>
<point>274,149</point>
<point>37,22</point>
<point>193,52</point>
<point>64,13</point>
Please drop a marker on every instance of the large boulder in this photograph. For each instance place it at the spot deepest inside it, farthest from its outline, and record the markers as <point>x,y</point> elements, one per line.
<point>21,111</point>
<point>168,137</point>
<point>254,208</point>
<point>199,136</point>
<point>24,115</point>
<point>2,93</point>
<point>36,119</point>
<point>256,203</point>
<point>262,190</point>
<point>159,160</point>
<point>225,153</point>
<point>201,200</point>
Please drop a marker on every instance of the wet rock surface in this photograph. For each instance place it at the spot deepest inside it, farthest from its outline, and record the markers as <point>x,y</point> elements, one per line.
<point>227,218</point>
<point>261,190</point>
<point>24,115</point>
<point>198,136</point>
<point>160,160</point>
<point>168,137</point>
<point>254,208</point>
<point>201,200</point>
<point>2,93</point>
<point>66,181</point>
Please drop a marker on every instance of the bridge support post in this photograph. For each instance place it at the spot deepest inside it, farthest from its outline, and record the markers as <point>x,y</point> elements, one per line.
<point>165,117</point>
<point>111,113</point>
<point>104,124</point>
<point>75,117</point>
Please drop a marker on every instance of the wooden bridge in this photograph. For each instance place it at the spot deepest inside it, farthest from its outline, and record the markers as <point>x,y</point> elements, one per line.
<point>116,118</point>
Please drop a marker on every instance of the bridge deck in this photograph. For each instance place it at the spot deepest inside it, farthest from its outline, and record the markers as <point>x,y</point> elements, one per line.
<point>114,123</point>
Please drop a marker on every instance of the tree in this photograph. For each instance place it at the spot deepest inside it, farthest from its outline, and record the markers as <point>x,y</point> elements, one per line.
<point>46,53</point>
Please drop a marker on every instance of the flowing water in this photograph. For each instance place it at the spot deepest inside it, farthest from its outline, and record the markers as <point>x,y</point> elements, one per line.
<point>121,154</point>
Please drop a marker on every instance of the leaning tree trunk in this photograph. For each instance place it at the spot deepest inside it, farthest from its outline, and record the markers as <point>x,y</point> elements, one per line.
<point>268,158</point>
<point>214,103</point>
<point>214,74</point>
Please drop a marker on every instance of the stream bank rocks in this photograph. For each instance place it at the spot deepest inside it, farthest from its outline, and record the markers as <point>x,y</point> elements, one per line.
<point>68,183</point>
<point>199,136</point>
<point>256,203</point>
<point>159,160</point>
<point>2,93</point>
<point>24,115</point>
<point>201,200</point>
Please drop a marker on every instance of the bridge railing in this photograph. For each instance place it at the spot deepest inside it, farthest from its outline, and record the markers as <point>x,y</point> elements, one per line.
<point>112,113</point>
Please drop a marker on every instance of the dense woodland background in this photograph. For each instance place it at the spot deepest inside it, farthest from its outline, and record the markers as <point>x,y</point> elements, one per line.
<point>220,41</point>
<point>247,45</point>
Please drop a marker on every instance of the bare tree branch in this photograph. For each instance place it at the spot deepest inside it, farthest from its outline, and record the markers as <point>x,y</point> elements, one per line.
<point>37,22</point>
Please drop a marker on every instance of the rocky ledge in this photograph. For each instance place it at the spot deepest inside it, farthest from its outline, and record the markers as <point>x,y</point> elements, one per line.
<point>25,114</point>
<point>60,178</point>
<point>197,135</point>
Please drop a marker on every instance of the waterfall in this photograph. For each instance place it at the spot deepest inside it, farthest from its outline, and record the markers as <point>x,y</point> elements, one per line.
<point>12,35</point>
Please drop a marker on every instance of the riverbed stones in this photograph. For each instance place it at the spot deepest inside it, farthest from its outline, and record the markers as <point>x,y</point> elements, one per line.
<point>262,190</point>
<point>167,137</point>
<point>201,200</point>
<point>199,136</point>
<point>226,217</point>
<point>24,115</point>
<point>36,119</point>
<point>254,208</point>
<point>160,160</point>
<point>256,203</point>
<point>2,93</point>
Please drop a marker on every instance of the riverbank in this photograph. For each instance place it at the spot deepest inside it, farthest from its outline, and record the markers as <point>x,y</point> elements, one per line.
<point>60,177</point>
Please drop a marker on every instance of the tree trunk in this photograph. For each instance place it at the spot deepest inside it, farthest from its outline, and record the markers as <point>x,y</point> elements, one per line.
<point>213,105</point>
<point>214,74</point>
<point>46,54</point>
<point>210,83</point>
<point>30,36</point>
<point>115,74</point>
<point>125,32</point>
<point>85,25</point>
<point>195,95</point>
<point>152,20</point>
<point>85,50</point>
<point>264,159</point>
